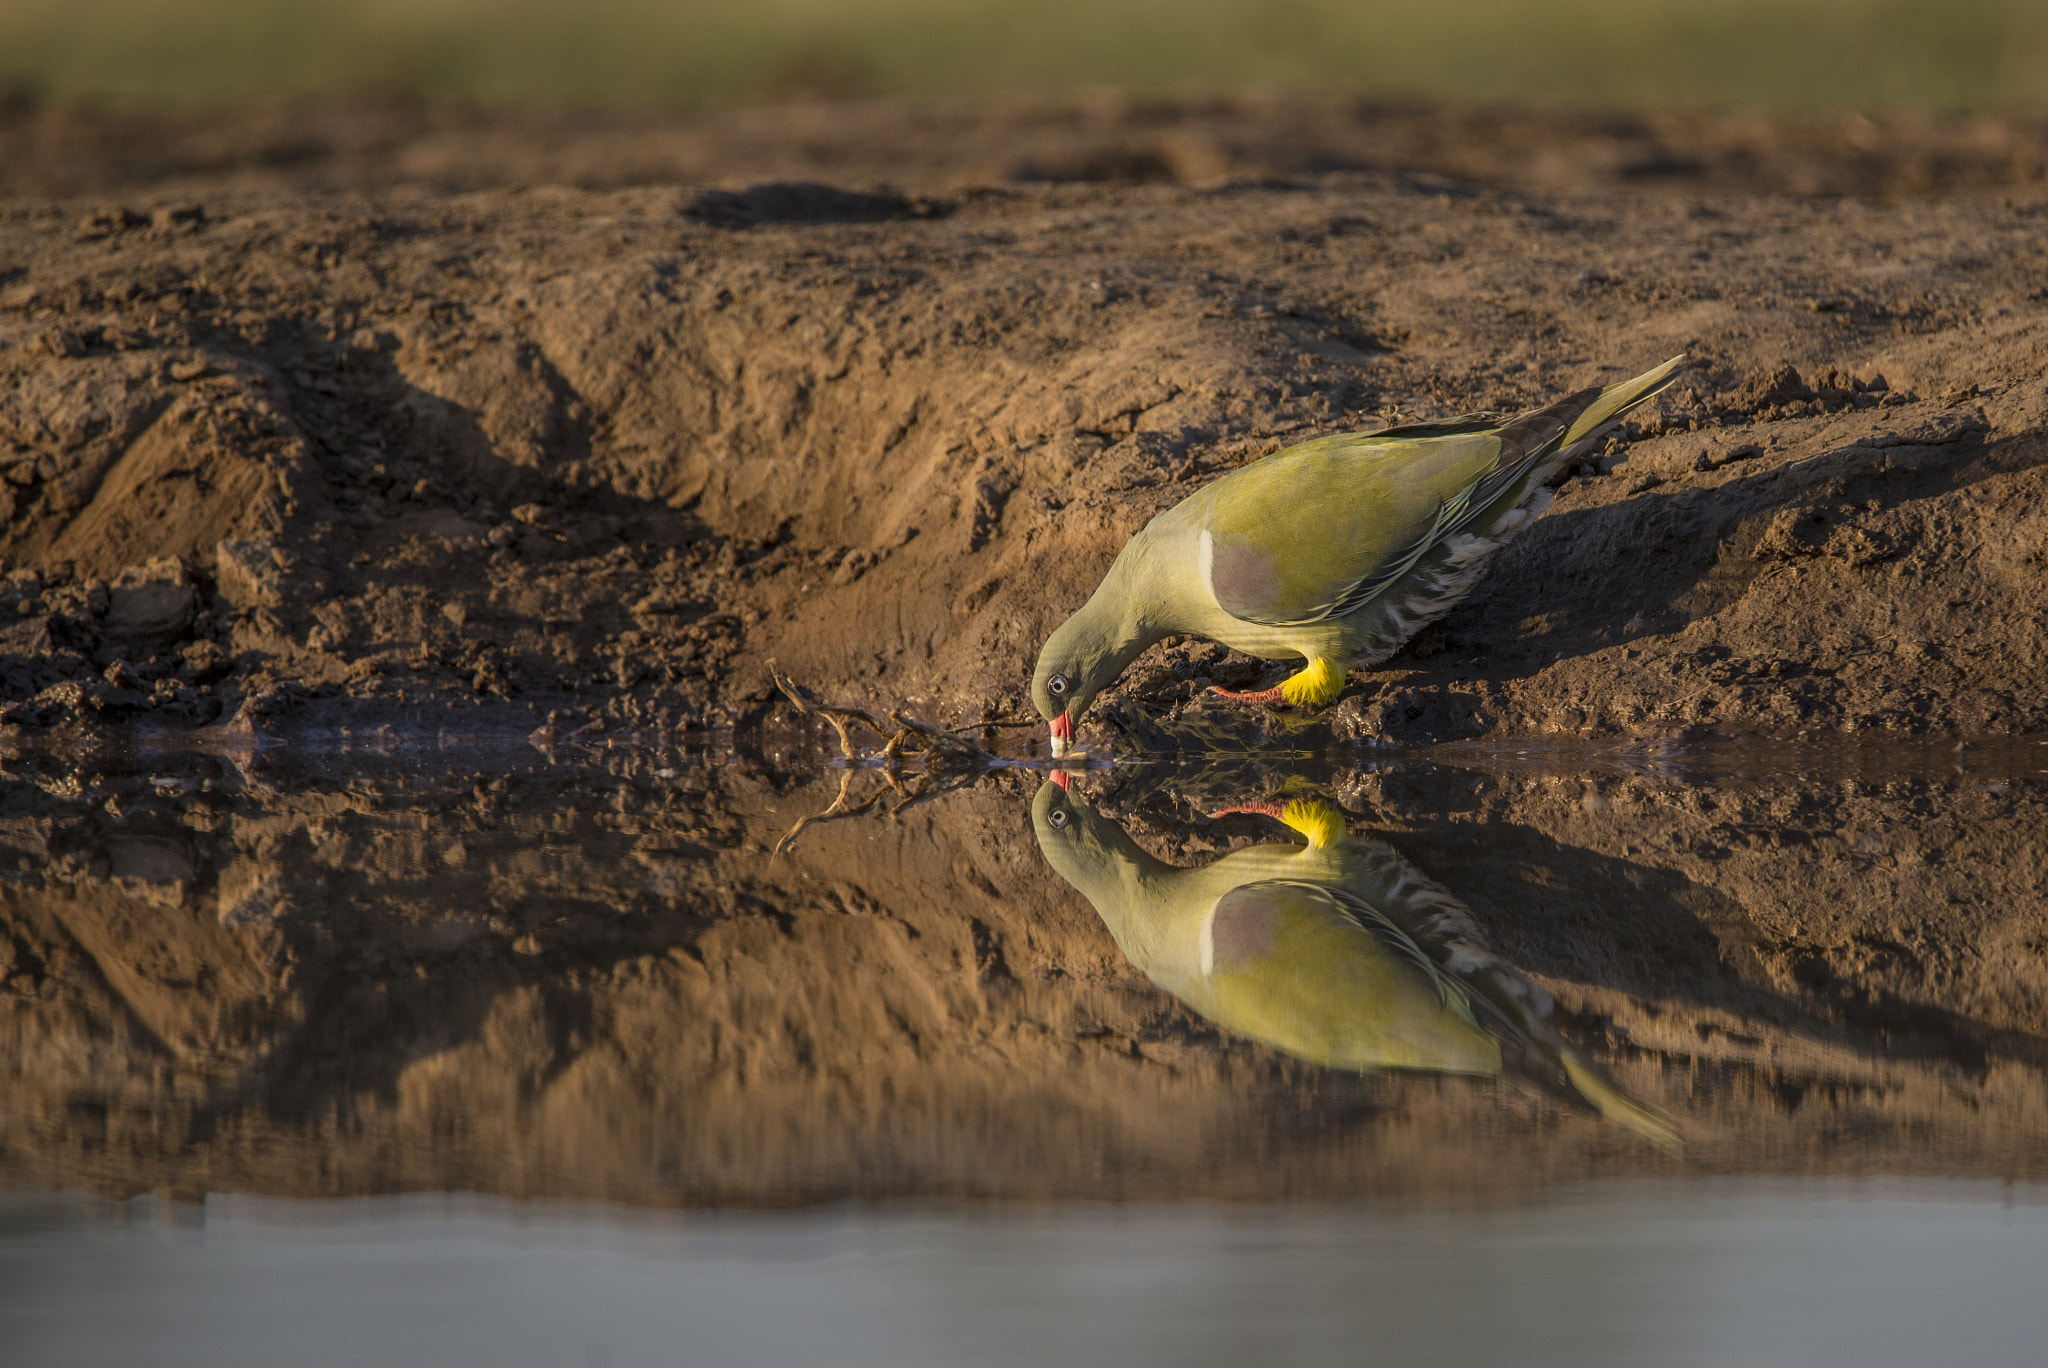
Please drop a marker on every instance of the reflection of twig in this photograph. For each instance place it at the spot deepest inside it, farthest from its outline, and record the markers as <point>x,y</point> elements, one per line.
<point>949,759</point>
<point>838,809</point>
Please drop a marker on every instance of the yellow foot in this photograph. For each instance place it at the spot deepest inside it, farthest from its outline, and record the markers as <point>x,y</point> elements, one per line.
<point>1316,686</point>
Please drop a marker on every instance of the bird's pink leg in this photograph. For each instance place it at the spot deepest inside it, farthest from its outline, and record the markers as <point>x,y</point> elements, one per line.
<point>1267,696</point>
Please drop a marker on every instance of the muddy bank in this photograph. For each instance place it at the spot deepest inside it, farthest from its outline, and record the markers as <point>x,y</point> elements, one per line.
<point>342,974</point>
<point>273,453</point>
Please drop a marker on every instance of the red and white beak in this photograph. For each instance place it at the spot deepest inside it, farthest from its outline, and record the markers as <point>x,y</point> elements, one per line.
<point>1062,734</point>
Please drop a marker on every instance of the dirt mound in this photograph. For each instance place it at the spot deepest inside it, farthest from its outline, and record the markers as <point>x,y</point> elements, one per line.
<point>602,454</point>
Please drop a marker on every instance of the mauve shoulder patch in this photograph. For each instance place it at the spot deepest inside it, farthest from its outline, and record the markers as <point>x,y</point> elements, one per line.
<point>1245,580</point>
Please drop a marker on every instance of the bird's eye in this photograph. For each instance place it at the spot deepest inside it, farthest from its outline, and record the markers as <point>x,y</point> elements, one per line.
<point>1057,684</point>
<point>1056,819</point>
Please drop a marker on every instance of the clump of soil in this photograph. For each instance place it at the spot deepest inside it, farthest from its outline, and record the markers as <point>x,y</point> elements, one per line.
<point>273,452</point>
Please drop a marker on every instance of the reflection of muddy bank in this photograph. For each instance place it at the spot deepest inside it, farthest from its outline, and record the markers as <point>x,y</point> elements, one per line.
<point>594,982</point>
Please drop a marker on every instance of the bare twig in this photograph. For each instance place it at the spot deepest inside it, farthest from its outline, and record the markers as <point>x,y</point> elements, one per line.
<point>838,717</point>
<point>958,746</point>
<point>948,759</point>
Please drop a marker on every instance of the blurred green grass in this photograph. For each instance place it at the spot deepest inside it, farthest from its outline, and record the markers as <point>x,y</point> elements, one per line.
<point>1768,54</point>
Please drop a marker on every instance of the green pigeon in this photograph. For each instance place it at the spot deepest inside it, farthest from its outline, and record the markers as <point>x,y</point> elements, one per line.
<point>1335,551</point>
<point>1337,951</point>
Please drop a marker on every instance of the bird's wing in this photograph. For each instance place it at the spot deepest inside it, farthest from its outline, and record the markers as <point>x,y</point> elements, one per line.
<point>1315,531</point>
<point>1296,965</point>
<point>1448,990</point>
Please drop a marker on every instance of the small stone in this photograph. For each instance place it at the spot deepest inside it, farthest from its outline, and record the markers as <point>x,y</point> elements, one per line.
<point>191,368</point>
<point>204,661</point>
<point>107,222</point>
<point>150,605</point>
<point>181,218</point>
<point>62,342</point>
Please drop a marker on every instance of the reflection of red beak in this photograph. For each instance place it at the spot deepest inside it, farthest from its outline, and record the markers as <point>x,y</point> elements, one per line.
<point>1062,734</point>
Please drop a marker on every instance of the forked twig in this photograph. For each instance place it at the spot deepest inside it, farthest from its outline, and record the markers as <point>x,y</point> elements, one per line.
<point>940,740</point>
<point>838,717</point>
<point>948,759</point>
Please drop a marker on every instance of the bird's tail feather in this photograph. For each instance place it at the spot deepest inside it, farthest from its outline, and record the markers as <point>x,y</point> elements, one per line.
<point>1616,400</point>
<point>1617,1106</point>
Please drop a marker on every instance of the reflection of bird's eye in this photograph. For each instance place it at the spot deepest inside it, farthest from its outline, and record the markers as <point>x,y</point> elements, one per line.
<point>1056,819</point>
<point>1058,684</point>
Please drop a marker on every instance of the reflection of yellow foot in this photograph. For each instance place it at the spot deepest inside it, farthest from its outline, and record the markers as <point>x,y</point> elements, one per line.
<point>1319,821</point>
<point>1317,685</point>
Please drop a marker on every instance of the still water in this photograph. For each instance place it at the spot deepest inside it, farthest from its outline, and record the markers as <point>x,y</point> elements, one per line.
<point>1661,1054</point>
<point>1736,1273</point>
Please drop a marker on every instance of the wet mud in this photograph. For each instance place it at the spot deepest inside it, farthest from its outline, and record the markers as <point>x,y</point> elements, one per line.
<point>316,970</point>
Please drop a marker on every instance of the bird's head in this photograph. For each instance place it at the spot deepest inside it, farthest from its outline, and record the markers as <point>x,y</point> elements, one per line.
<point>1088,850</point>
<point>1079,661</point>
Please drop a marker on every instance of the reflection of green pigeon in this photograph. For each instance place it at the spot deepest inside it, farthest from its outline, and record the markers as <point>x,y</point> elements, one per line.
<point>1335,551</point>
<point>1337,952</point>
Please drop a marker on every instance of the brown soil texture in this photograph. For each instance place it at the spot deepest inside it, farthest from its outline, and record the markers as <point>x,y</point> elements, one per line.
<point>583,975</point>
<point>55,148</point>
<point>342,414</point>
